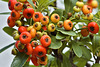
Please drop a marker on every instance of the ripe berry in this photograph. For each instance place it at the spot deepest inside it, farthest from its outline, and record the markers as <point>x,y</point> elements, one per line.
<point>11,4</point>
<point>43,60</point>
<point>90,16</point>
<point>28,49</point>
<point>15,15</point>
<point>18,6</point>
<point>76,9</point>
<point>22,29</point>
<point>45,40</point>
<point>16,45</point>
<point>86,9</point>
<point>34,60</point>
<point>25,37</point>
<point>84,32</point>
<point>40,51</point>
<point>93,27</point>
<point>37,25</point>
<point>11,22</point>
<point>44,20</point>
<point>18,23</point>
<point>37,16</point>
<point>60,24</point>
<point>68,25</point>
<point>79,4</point>
<point>55,18</point>
<point>33,32</point>
<point>34,43</point>
<point>38,35</point>
<point>28,13</point>
<point>51,27</point>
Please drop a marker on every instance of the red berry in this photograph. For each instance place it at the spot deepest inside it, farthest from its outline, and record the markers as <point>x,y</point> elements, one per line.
<point>15,15</point>
<point>40,51</point>
<point>28,49</point>
<point>37,16</point>
<point>25,37</point>
<point>16,45</point>
<point>22,29</point>
<point>93,27</point>
<point>84,32</point>
<point>34,60</point>
<point>28,13</point>
<point>45,40</point>
<point>11,4</point>
<point>11,22</point>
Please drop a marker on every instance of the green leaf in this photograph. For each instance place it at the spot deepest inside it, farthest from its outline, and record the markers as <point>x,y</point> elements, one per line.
<point>79,62</point>
<point>77,49</point>
<point>6,47</point>
<point>63,31</point>
<point>50,59</point>
<point>66,62</point>
<point>59,12</point>
<point>60,36</point>
<point>19,60</point>
<point>5,13</point>
<point>54,63</point>
<point>55,44</point>
<point>98,4</point>
<point>44,4</point>
<point>86,53</point>
<point>96,65</point>
<point>96,43</point>
<point>9,30</point>
<point>69,5</point>
<point>30,1</point>
<point>5,0</point>
<point>80,20</point>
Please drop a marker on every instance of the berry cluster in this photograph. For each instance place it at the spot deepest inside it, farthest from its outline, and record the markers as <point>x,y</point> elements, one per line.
<point>34,29</point>
<point>30,38</point>
<point>87,15</point>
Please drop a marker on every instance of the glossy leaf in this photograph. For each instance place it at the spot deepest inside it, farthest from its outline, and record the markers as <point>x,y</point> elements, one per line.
<point>55,44</point>
<point>63,31</point>
<point>96,65</point>
<point>19,60</point>
<point>6,47</point>
<point>9,30</point>
<point>69,5</point>
<point>5,0</point>
<point>43,4</point>
<point>60,36</point>
<point>86,53</point>
<point>30,1</point>
<point>77,49</point>
<point>79,62</point>
<point>96,43</point>
<point>5,13</point>
<point>66,62</point>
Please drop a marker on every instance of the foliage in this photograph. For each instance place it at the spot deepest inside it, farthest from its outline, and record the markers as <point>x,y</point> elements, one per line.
<point>80,48</point>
